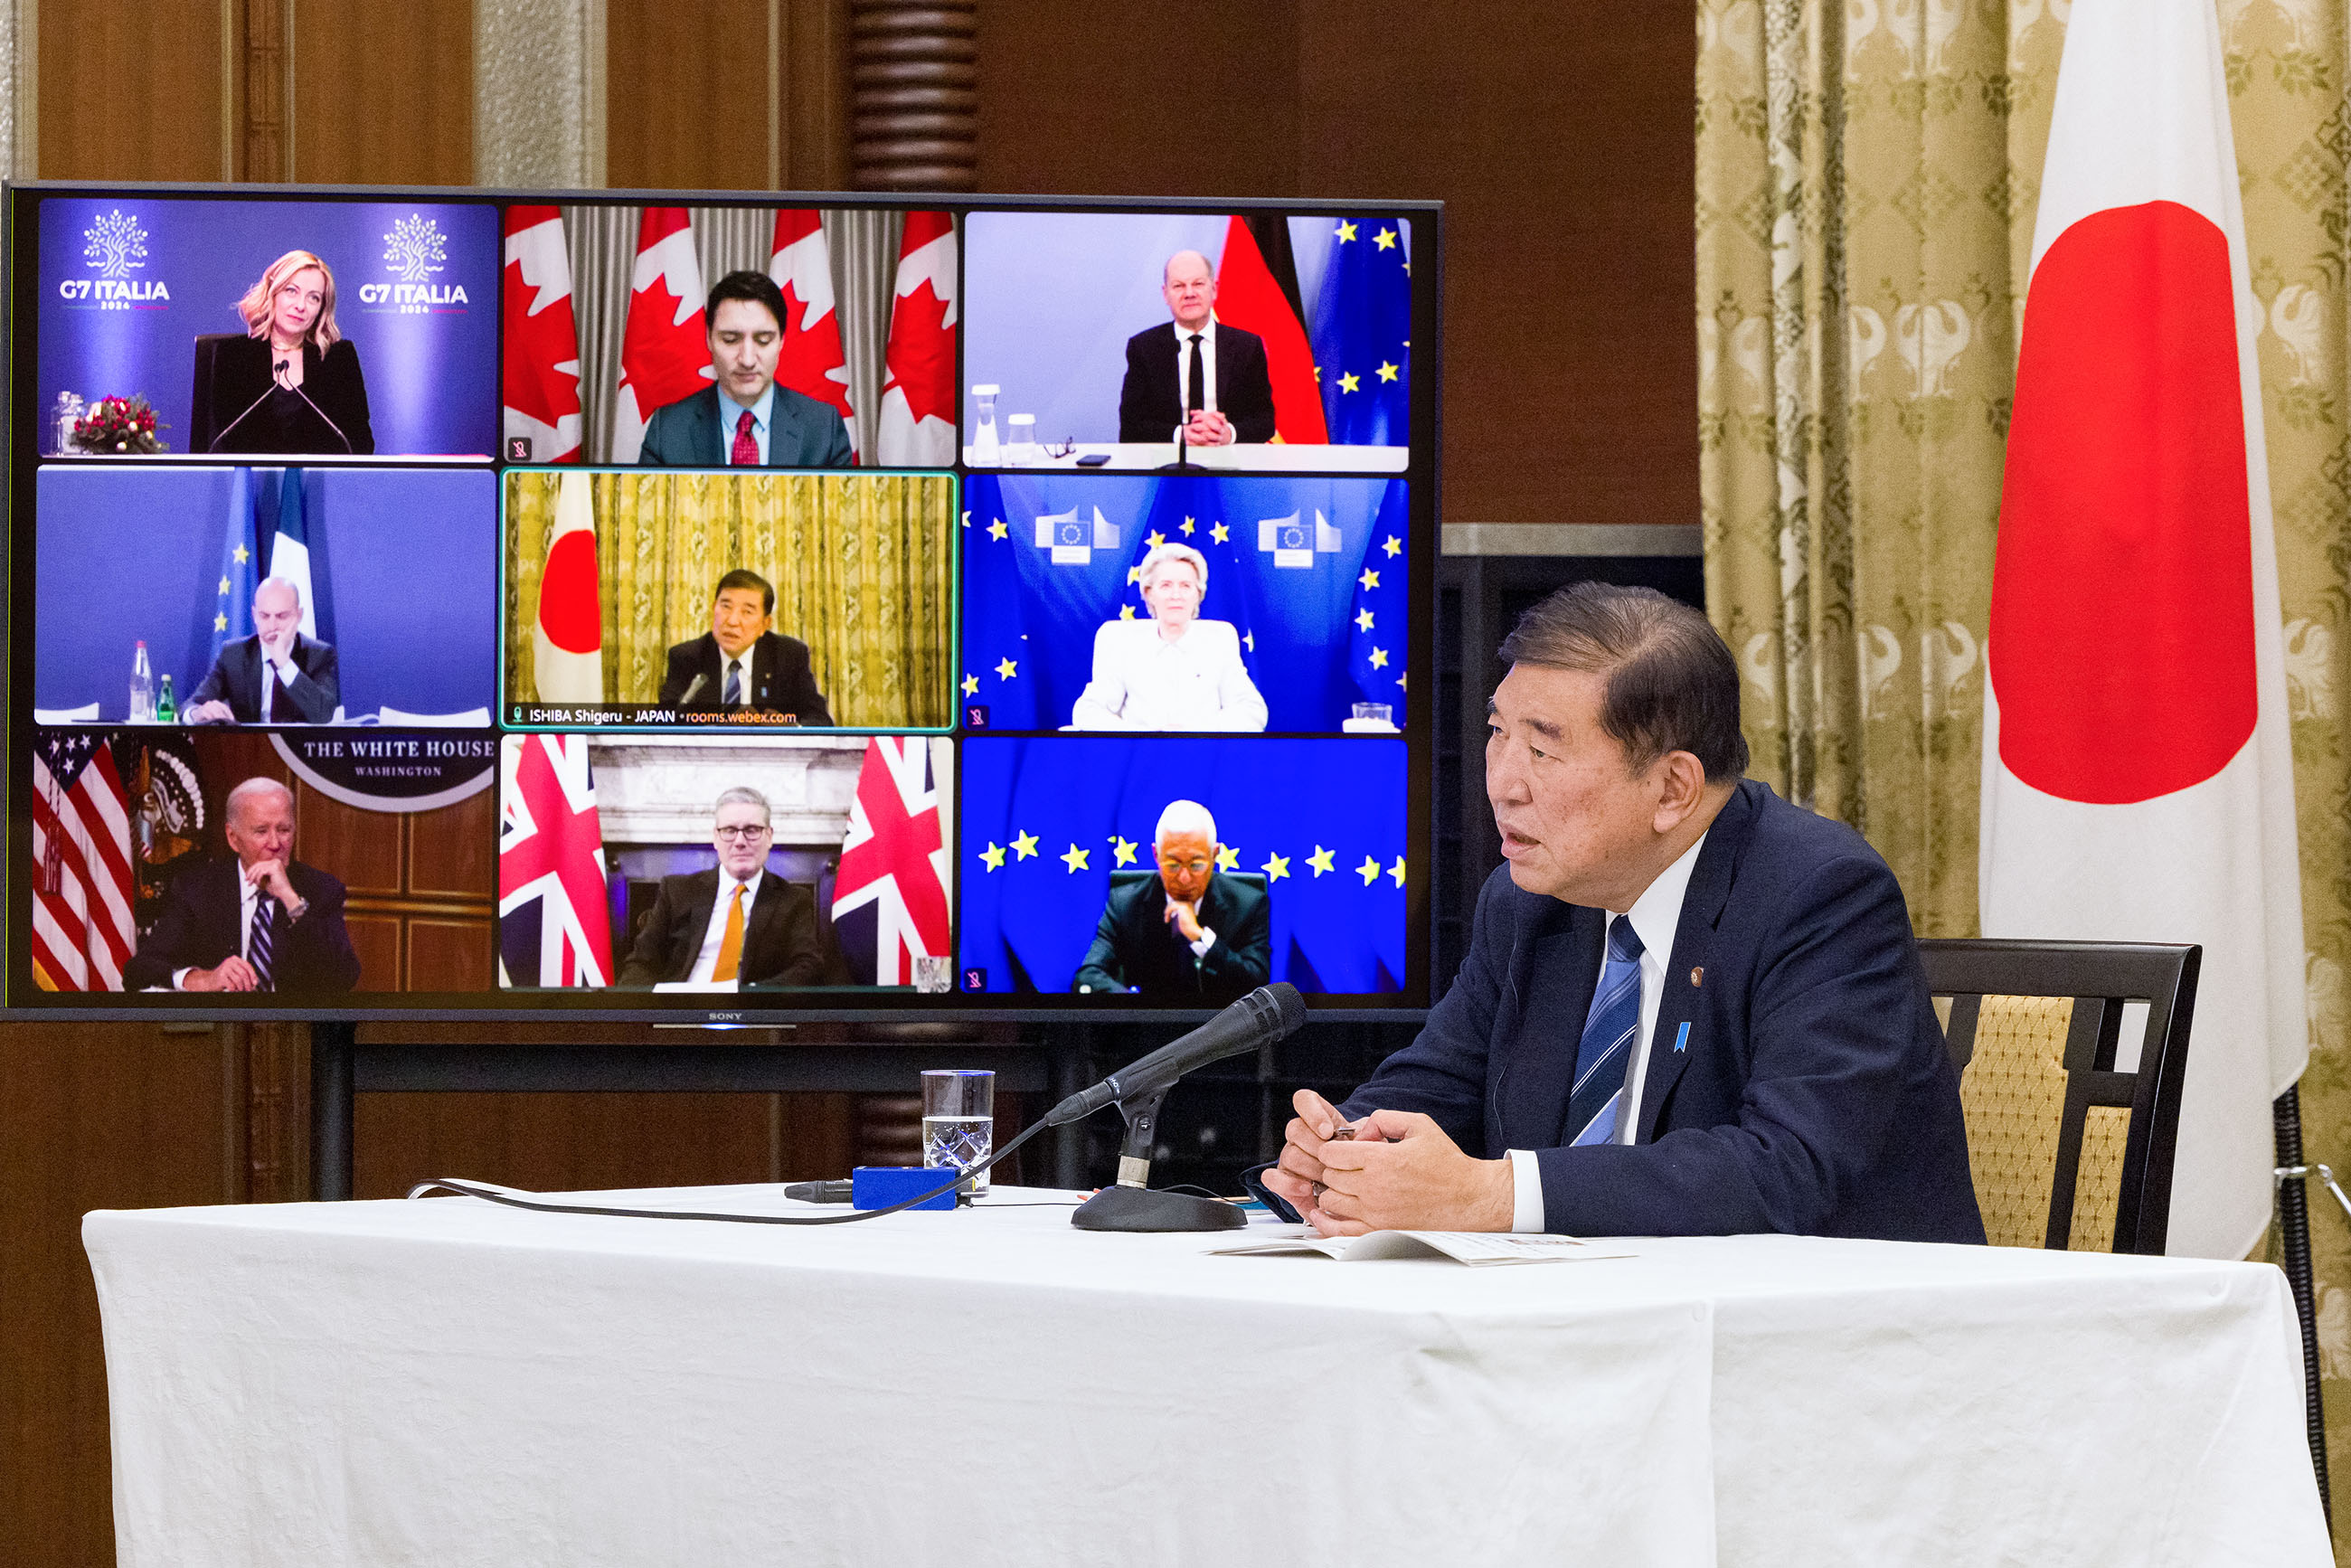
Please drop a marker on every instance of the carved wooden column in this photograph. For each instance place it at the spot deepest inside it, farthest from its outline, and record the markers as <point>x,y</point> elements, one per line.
<point>915,94</point>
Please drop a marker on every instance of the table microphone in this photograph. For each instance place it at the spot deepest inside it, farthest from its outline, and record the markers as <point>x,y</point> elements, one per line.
<point>1263,1016</point>
<point>275,371</point>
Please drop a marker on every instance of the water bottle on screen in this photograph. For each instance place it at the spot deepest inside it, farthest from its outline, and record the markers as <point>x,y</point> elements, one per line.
<point>983,435</point>
<point>142,687</point>
<point>960,1120</point>
<point>167,711</point>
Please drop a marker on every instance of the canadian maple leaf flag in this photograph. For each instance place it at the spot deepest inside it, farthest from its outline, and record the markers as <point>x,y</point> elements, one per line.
<point>2137,783</point>
<point>664,351</point>
<point>918,398</point>
<point>541,368</point>
<point>810,359</point>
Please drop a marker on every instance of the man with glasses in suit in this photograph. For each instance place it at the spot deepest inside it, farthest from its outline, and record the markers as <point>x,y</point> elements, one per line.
<point>738,923</point>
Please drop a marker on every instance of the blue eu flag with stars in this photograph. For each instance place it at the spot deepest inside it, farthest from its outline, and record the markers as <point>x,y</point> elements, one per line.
<point>1362,330</point>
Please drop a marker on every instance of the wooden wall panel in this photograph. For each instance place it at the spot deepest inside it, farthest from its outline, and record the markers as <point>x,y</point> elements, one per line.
<point>449,955</point>
<point>555,1142</point>
<point>453,849</point>
<point>1562,143</point>
<point>1125,97</point>
<point>129,92</point>
<point>686,94</point>
<point>362,848</point>
<point>91,1116</point>
<point>383,93</point>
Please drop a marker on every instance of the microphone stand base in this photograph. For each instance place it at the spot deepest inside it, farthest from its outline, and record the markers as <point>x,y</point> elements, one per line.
<point>1141,1208</point>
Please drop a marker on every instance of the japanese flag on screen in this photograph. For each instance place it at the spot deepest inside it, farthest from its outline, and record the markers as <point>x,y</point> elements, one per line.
<point>664,352</point>
<point>918,399</point>
<point>2137,782</point>
<point>567,639</point>
<point>540,370</point>
<point>810,359</point>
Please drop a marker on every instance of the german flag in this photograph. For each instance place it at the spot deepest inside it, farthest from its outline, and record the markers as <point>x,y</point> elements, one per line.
<point>1256,290</point>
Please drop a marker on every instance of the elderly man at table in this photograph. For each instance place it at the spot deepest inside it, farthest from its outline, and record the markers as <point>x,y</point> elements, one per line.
<point>1189,931</point>
<point>1196,371</point>
<point>738,921</point>
<point>1173,670</point>
<point>1689,1007</point>
<point>742,663</point>
<point>261,922</point>
<point>275,676</point>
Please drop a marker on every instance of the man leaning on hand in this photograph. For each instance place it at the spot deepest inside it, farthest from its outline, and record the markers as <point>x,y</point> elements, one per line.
<point>1689,1007</point>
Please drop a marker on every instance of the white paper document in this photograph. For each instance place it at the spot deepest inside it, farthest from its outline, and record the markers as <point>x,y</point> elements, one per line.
<point>1475,1248</point>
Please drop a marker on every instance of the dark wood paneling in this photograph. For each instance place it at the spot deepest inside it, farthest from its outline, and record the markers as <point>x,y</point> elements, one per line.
<point>452,848</point>
<point>376,939</point>
<point>557,1142</point>
<point>449,955</point>
<point>1123,98</point>
<point>360,848</point>
<point>814,81</point>
<point>1562,141</point>
<point>129,92</point>
<point>383,94</point>
<point>685,94</point>
<point>91,1116</point>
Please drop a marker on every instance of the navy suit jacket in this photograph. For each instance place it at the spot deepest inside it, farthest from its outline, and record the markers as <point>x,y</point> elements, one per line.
<point>235,679</point>
<point>1149,408</point>
<point>1136,944</point>
<point>781,680</point>
<point>1812,1093</point>
<point>801,434</point>
<point>198,927</point>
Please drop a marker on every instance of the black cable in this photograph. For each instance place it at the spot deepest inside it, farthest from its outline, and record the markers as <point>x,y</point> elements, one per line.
<point>2293,1234</point>
<point>492,1195</point>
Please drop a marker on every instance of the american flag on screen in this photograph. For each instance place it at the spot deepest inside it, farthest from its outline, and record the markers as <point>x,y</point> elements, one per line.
<point>890,901</point>
<point>554,925</point>
<point>83,881</point>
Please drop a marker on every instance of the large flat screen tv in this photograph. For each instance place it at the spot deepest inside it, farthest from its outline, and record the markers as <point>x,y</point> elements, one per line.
<point>716,607</point>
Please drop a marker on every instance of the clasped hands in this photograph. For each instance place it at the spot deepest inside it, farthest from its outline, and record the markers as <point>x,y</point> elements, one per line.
<point>233,973</point>
<point>1206,427</point>
<point>1396,1171</point>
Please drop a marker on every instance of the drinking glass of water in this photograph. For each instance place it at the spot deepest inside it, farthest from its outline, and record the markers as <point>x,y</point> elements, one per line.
<point>960,1120</point>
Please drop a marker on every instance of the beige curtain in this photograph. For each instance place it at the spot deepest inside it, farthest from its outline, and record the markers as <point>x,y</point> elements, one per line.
<point>1868,176</point>
<point>863,566</point>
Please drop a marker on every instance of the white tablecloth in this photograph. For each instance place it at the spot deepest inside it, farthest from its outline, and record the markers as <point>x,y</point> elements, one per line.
<point>451,1383</point>
<point>1246,456</point>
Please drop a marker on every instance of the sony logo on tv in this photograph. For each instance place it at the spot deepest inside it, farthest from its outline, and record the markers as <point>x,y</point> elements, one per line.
<point>413,297</point>
<point>114,293</point>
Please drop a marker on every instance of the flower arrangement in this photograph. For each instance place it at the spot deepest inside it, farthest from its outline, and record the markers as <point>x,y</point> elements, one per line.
<point>119,425</point>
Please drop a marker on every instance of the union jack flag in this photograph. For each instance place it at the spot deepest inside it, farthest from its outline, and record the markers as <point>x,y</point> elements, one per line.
<point>889,902</point>
<point>83,878</point>
<point>554,924</point>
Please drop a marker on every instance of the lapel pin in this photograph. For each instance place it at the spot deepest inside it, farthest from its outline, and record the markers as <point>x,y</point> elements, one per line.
<point>1698,977</point>
<point>1681,1040</point>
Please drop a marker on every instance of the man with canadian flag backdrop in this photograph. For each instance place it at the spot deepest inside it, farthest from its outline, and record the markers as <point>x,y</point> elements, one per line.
<point>2138,782</point>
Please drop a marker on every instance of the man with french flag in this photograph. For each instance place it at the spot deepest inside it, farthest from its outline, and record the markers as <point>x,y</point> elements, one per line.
<point>2138,781</point>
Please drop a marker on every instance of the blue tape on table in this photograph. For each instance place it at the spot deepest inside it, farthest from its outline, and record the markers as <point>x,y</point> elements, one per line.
<point>879,1186</point>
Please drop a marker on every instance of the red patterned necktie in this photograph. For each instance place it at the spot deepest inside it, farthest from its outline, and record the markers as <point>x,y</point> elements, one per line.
<point>747,446</point>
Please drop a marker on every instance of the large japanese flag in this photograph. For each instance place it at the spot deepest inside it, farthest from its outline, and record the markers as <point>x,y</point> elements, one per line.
<point>664,352</point>
<point>810,359</point>
<point>2138,782</point>
<point>540,359</point>
<point>918,399</point>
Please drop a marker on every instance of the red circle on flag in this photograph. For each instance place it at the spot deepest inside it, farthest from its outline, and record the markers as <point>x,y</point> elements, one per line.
<point>568,611</point>
<point>2122,603</point>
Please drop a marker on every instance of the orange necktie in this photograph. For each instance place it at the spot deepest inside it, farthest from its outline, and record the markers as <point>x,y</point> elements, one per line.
<point>730,943</point>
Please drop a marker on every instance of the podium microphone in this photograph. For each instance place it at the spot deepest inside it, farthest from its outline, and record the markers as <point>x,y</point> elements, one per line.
<point>275,371</point>
<point>1260,1018</point>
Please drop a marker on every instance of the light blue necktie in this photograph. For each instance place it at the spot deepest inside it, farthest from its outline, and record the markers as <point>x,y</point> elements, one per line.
<point>1609,1032</point>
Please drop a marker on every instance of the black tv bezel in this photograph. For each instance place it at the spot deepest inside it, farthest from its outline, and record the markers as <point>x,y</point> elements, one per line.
<point>19,200</point>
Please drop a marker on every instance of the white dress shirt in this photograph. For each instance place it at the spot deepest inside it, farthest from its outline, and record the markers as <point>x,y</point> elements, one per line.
<point>1183,364</point>
<point>714,933</point>
<point>1656,915</point>
<point>1143,681</point>
<point>730,414</point>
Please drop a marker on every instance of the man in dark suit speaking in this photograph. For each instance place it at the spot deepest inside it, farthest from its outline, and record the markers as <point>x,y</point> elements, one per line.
<point>1196,373</point>
<point>741,666</point>
<point>262,922</point>
<point>1689,1007</point>
<point>747,420</point>
<point>739,922</point>
<point>275,676</point>
<point>1187,932</point>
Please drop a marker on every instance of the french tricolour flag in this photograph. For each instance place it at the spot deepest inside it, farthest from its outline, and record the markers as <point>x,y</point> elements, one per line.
<point>2138,779</point>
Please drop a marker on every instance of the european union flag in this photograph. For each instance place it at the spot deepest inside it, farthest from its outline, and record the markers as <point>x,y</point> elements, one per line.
<point>1376,656</point>
<point>1048,558</point>
<point>1046,819</point>
<point>233,612</point>
<point>1363,332</point>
